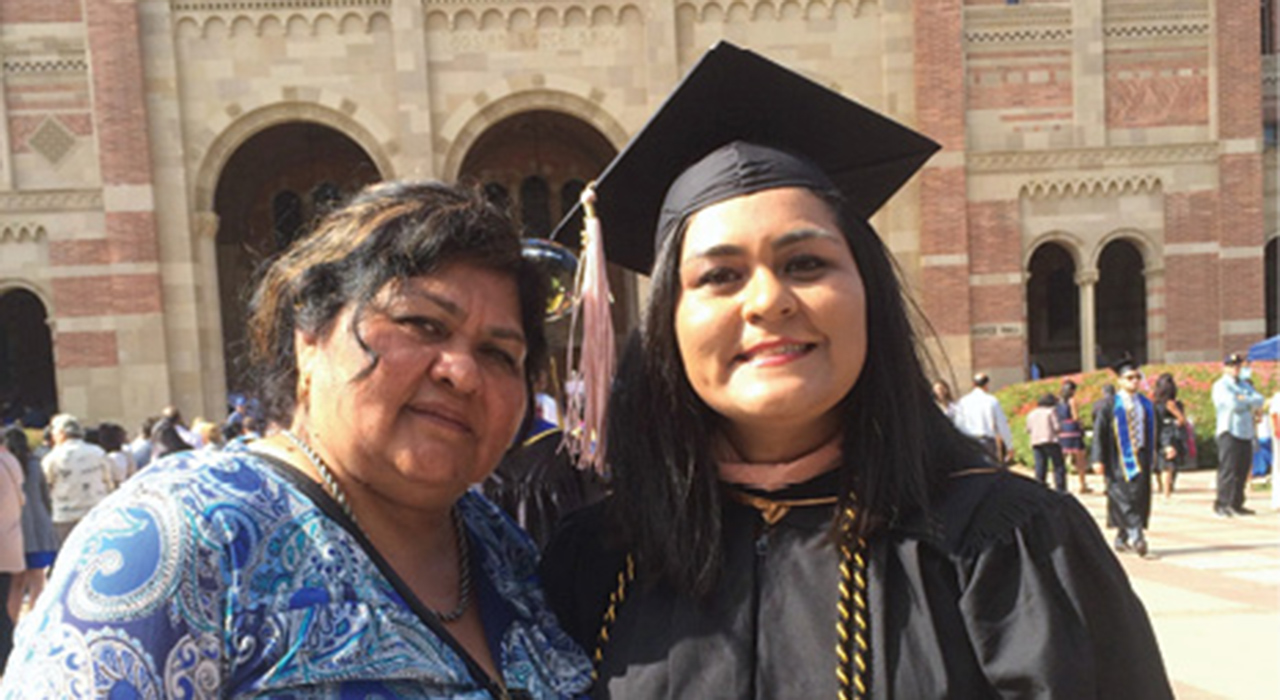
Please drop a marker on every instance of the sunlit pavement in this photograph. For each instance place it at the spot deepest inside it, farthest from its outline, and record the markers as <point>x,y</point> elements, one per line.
<point>1212,588</point>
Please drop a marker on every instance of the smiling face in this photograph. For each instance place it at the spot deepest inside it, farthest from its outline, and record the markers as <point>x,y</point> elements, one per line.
<point>444,400</point>
<point>771,319</point>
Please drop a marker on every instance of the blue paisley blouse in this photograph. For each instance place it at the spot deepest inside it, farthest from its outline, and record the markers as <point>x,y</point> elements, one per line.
<point>213,575</point>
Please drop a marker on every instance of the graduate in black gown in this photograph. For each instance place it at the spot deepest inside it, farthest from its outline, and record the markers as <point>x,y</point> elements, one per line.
<point>1124,450</point>
<point>792,516</point>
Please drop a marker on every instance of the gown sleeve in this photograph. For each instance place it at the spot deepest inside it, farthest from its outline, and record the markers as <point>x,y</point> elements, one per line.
<point>579,571</point>
<point>1048,609</point>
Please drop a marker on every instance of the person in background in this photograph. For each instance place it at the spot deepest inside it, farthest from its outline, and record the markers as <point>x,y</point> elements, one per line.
<point>980,415</point>
<point>78,472</point>
<point>1124,449</point>
<point>112,438</point>
<point>1234,400</point>
<point>1043,428</point>
<point>1174,433</point>
<point>140,447</point>
<point>40,542</point>
<point>943,397</point>
<point>1071,433</point>
<point>344,556</point>
<point>209,434</point>
<point>12,550</point>
<point>166,438</point>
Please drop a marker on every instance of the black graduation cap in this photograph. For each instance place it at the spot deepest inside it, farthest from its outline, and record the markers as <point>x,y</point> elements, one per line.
<point>1124,364</point>
<point>736,95</point>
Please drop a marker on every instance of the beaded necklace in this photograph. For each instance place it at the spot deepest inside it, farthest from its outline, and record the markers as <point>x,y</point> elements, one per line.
<point>464,550</point>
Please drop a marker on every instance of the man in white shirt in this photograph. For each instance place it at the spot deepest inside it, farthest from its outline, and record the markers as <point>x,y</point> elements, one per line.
<point>979,414</point>
<point>79,474</point>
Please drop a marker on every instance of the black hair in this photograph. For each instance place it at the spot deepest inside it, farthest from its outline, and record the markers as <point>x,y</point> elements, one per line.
<point>112,437</point>
<point>1166,390</point>
<point>898,447</point>
<point>1068,389</point>
<point>388,232</point>
<point>15,439</point>
<point>1047,400</point>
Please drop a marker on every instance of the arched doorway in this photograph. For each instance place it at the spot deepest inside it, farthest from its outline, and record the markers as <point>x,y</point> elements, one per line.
<point>1053,311</point>
<point>536,163</point>
<point>1120,304</point>
<point>1272,304</point>
<point>30,392</point>
<point>275,185</point>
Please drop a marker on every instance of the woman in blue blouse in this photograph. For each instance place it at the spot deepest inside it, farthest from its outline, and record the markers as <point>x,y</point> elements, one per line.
<point>343,556</point>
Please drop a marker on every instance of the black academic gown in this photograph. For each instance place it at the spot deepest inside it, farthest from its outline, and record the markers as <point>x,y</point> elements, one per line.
<point>1128,498</point>
<point>1007,591</point>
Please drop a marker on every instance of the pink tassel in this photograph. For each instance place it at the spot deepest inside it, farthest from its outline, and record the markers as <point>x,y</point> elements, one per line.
<point>592,373</point>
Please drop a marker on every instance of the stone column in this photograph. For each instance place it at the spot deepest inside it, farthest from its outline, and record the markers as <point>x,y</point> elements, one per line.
<point>1087,281</point>
<point>1088,74</point>
<point>1155,313</point>
<point>414,130</point>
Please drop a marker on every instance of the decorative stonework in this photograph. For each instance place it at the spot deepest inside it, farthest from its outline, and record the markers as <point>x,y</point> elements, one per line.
<point>504,17</point>
<point>65,64</point>
<point>1028,35</point>
<point>1003,25</point>
<point>52,140</point>
<point>272,5</point>
<point>51,201</point>
<point>266,21</point>
<point>22,233</point>
<point>1104,186</point>
<point>1159,30</point>
<point>766,10</point>
<point>1206,153</point>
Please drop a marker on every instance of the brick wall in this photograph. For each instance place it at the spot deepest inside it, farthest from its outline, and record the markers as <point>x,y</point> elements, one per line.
<point>997,302</point>
<point>22,11</point>
<point>86,349</point>
<point>1020,80</point>
<point>1191,279</point>
<point>1150,87</point>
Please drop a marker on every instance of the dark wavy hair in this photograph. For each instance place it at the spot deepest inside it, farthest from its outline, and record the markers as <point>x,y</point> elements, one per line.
<point>388,232</point>
<point>1166,390</point>
<point>898,446</point>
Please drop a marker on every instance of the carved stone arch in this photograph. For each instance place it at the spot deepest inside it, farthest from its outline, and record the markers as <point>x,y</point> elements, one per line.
<point>817,9</point>
<point>353,23</point>
<point>465,20</point>
<point>602,16</point>
<point>12,284</point>
<point>763,11</point>
<point>270,26</point>
<point>215,28</point>
<point>571,97</point>
<point>491,20</point>
<point>630,16</point>
<point>739,13</point>
<point>843,8</point>
<point>520,20</point>
<point>370,135</point>
<point>575,16</point>
<point>548,18</point>
<point>325,24</point>
<point>866,7</point>
<point>1073,244</point>
<point>1151,253</point>
<point>713,13</point>
<point>437,21</point>
<point>790,10</point>
<point>187,28</point>
<point>20,233</point>
<point>297,25</point>
<point>379,22</point>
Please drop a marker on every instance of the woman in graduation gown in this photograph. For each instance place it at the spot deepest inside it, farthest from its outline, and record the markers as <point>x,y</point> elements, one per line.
<point>791,515</point>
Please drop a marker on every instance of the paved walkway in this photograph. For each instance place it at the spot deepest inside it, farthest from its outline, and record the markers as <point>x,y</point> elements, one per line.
<point>1212,588</point>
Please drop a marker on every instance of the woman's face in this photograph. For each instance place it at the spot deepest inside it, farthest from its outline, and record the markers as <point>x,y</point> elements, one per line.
<point>771,318</point>
<point>446,397</point>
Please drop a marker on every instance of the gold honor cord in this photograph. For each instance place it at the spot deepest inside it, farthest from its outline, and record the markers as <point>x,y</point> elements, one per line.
<point>853,621</point>
<point>852,618</point>
<point>616,598</point>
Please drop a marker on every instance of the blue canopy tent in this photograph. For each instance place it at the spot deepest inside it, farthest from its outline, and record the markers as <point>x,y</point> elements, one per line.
<point>1268,349</point>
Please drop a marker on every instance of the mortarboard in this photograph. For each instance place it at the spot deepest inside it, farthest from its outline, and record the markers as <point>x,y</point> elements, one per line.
<point>732,94</point>
<point>1124,364</point>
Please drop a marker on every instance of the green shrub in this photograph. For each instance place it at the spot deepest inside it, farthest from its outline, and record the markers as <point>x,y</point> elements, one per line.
<point>1195,384</point>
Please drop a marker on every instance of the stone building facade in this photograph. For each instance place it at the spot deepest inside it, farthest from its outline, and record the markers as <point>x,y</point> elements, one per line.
<point>1107,182</point>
